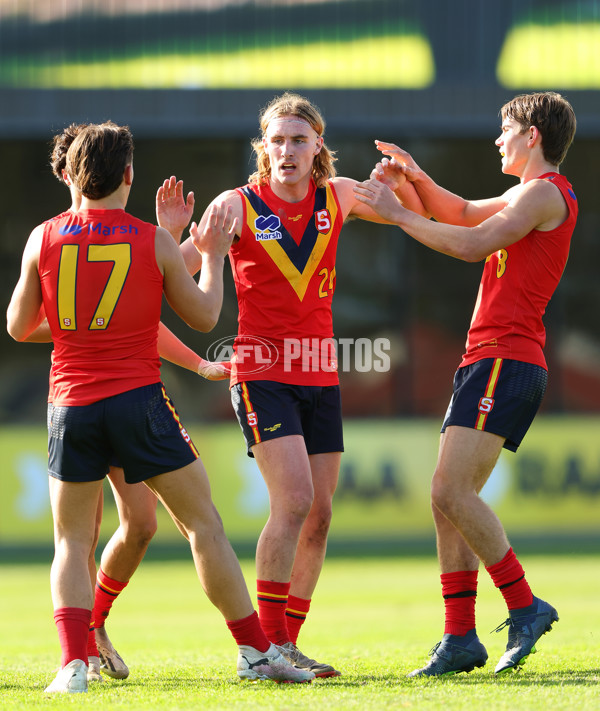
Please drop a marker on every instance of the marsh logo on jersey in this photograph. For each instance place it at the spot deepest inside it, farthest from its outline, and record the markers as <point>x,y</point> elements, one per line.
<point>72,230</point>
<point>486,404</point>
<point>267,227</point>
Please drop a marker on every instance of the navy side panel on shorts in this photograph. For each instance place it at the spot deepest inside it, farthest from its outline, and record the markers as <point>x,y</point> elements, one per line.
<point>497,395</point>
<point>267,410</point>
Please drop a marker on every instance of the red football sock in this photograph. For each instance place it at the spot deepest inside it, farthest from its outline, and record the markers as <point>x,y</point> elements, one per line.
<point>509,577</point>
<point>72,624</point>
<point>92,647</point>
<point>460,592</point>
<point>272,601</point>
<point>295,615</point>
<point>107,591</point>
<point>248,631</point>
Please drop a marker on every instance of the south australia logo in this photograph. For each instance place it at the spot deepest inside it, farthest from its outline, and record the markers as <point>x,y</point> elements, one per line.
<point>486,404</point>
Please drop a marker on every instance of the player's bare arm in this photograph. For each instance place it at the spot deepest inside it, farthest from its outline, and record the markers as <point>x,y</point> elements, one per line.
<point>351,206</point>
<point>390,172</point>
<point>537,205</point>
<point>438,202</point>
<point>175,351</point>
<point>199,305</point>
<point>25,311</point>
<point>41,334</point>
<point>173,212</point>
<point>229,198</point>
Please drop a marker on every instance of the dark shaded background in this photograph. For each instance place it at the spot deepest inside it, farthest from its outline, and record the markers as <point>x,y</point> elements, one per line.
<point>387,285</point>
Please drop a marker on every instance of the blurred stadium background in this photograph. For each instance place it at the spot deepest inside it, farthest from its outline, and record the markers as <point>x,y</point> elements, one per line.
<point>189,77</point>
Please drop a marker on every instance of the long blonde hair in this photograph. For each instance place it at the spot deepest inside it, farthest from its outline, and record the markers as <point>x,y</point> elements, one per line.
<point>290,104</point>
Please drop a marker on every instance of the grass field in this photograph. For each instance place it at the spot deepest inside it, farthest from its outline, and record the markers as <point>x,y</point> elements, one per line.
<point>375,619</point>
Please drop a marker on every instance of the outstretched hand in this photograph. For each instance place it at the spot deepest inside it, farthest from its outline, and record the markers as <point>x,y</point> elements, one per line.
<point>401,159</point>
<point>214,370</point>
<point>218,233</point>
<point>172,211</point>
<point>390,172</point>
<point>378,196</point>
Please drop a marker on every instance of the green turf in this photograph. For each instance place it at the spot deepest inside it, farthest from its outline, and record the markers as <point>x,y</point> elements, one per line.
<point>374,619</point>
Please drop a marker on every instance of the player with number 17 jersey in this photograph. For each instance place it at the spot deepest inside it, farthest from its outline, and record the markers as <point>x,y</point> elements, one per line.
<point>284,271</point>
<point>91,262</point>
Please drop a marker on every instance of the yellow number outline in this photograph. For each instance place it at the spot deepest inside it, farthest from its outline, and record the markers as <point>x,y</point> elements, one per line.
<point>501,267</point>
<point>326,274</point>
<point>119,255</point>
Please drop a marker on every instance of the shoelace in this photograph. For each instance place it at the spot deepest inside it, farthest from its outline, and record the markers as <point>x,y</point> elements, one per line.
<point>512,622</point>
<point>433,650</point>
<point>507,622</point>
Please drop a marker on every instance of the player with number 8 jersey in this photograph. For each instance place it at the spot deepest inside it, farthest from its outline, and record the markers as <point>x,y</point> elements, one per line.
<point>524,236</point>
<point>517,284</point>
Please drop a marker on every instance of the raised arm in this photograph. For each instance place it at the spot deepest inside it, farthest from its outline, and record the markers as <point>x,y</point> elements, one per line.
<point>440,203</point>
<point>538,204</point>
<point>172,211</point>
<point>229,199</point>
<point>198,305</point>
<point>352,207</point>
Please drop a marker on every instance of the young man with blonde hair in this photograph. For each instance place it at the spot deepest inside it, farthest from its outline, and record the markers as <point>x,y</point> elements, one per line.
<point>284,381</point>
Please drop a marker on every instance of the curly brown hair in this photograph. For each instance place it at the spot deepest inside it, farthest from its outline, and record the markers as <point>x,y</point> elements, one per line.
<point>60,145</point>
<point>290,104</point>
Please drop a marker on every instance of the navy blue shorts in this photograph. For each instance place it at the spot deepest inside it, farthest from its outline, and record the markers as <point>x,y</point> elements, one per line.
<point>267,410</point>
<point>497,395</point>
<point>139,428</point>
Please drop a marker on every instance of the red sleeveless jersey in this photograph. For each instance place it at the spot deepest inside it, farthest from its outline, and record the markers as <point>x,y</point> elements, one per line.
<point>284,271</point>
<point>102,293</point>
<point>515,288</point>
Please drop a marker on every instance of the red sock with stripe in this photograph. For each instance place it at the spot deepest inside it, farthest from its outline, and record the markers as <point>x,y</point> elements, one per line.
<point>459,590</point>
<point>272,600</point>
<point>509,577</point>
<point>295,615</point>
<point>72,624</point>
<point>107,591</point>
<point>248,631</point>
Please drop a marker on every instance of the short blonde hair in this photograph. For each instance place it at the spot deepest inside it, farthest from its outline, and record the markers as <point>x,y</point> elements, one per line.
<point>290,104</point>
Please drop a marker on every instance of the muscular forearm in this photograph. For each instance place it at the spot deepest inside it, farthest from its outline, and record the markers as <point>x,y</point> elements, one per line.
<point>409,197</point>
<point>211,285</point>
<point>440,203</point>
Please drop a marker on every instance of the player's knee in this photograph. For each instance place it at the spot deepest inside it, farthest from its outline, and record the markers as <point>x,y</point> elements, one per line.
<point>145,534</point>
<point>321,515</point>
<point>297,505</point>
<point>442,495</point>
<point>317,527</point>
<point>141,531</point>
